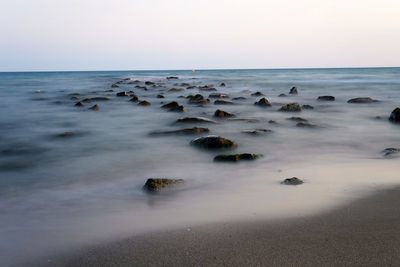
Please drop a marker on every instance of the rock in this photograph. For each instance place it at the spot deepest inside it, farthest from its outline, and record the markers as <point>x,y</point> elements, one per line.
<point>293,91</point>
<point>185,84</point>
<point>223,102</point>
<point>160,96</point>
<point>223,114</point>
<point>298,119</point>
<point>362,100</point>
<point>198,99</point>
<point>236,157</point>
<point>170,105</point>
<point>263,102</point>
<point>194,120</point>
<point>326,98</point>
<point>390,152</point>
<point>257,94</point>
<point>74,97</point>
<point>79,104</point>
<point>207,88</point>
<point>292,181</point>
<point>306,124</point>
<point>395,115</point>
<point>292,107</point>
<point>190,87</point>
<point>153,185</point>
<point>239,98</point>
<point>222,85</point>
<point>144,103</point>
<point>257,131</point>
<point>172,78</point>
<point>194,130</point>
<point>218,95</point>
<point>134,98</point>
<point>149,83</point>
<point>172,90</point>
<point>282,95</point>
<point>141,87</point>
<point>272,122</point>
<point>114,85</point>
<point>122,94</point>
<point>309,107</point>
<point>213,142</point>
<point>65,134</point>
<point>94,107</point>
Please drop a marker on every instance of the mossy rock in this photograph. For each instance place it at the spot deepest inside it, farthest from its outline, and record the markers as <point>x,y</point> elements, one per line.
<point>292,107</point>
<point>153,185</point>
<point>213,142</point>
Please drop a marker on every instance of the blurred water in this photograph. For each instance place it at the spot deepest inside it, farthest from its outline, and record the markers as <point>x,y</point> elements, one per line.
<point>59,192</point>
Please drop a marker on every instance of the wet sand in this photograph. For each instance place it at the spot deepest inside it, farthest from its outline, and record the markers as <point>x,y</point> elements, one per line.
<point>363,233</point>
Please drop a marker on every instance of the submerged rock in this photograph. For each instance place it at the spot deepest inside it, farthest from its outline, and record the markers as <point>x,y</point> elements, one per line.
<point>194,130</point>
<point>223,114</point>
<point>391,152</point>
<point>122,94</point>
<point>95,107</point>
<point>218,95</point>
<point>78,104</point>
<point>172,78</point>
<point>257,131</point>
<point>306,124</point>
<point>296,119</point>
<point>282,95</point>
<point>160,96</point>
<point>309,107</point>
<point>326,98</point>
<point>236,157</point>
<point>207,88</point>
<point>74,97</point>
<point>213,142</point>
<point>263,102</point>
<point>141,87</point>
<point>172,90</point>
<point>257,94</point>
<point>134,98</point>
<point>395,115</point>
<point>198,99</point>
<point>292,107</point>
<point>144,103</point>
<point>171,105</point>
<point>362,100</point>
<point>239,98</point>
<point>114,85</point>
<point>293,91</point>
<point>65,135</point>
<point>223,102</point>
<point>149,83</point>
<point>292,181</point>
<point>194,120</point>
<point>222,84</point>
<point>157,184</point>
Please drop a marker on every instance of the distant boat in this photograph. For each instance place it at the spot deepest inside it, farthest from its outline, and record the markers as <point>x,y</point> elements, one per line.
<point>193,70</point>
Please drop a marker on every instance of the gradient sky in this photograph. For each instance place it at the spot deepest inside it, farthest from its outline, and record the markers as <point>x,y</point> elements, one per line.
<point>186,34</point>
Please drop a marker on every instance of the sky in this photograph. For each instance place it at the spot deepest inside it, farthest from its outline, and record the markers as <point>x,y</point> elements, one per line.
<point>39,35</point>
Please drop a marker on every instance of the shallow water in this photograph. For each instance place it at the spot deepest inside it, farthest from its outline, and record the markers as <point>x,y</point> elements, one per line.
<point>57,193</point>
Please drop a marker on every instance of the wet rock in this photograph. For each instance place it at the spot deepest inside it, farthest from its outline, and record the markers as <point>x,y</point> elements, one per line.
<point>134,98</point>
<point>188,131</point>
<point>207,88</point>
<point>65,135</point>
<point>308,107</point>
<point>306,124</point>
<point>160,96</point>
<point>326,98</point>
<point>194,120</point>
<point>239,98</point>
<point>272,122</point>
<point>263,102</point>
<point>395,115</point>
<point>298,119</point>
<point>293,91</point>
<point>198,99</point>
<point>149,83</point>
<point>170,105</point>
<point>79,104</point>
<point>223,102</point>
<point>185,84</point>
<point>292,107</point>
<point>114,85</point>
<point>236,157</point>
<point>218,95</point>
<point>144,103</point>
<point>257,94</point>
<point>141,87</point>
<point>257,131</point>
<point>153,185</point>
<point>362,100</point>
<point>213,142</point>
<point>172,78</point>
<point>94,107</point>
<point>74,97</point>
<point>282,95</point>
<point>292,181</point>
<point>122,94</point>
<point>391,152</point>
<point>172,90</point>
<point>222,85</point>
<point>190,87</point>
<point>223,114</point>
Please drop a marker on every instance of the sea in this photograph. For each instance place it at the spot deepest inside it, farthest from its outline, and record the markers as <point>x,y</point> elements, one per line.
<point>71,177</point>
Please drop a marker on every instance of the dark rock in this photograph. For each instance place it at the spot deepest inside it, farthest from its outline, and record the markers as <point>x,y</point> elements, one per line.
<point>292,181</point>
<point>171,105</point>
<point>272,122</point>
<point>309,107</point>
<point>194,120</point>
<point>114,86</point>
<point>223,114</point>
<point>236,157</point>
<point>191,87</point>
<point>263,102</point>
<point>94,107</point>
<point>185,84</point>
<point>395,115</point>
<point>362,100</point>
<point>160,96</point>
<point>153,185</point>
<point>74,97</point>
<point>194,130</point>
<point>257,94</point>
<point>141,87</point>
<point>213,142</point>
<point>122,94</point>
<point>239,98</point>
<point>134,98</point>
<point>172,90</point>
<point>306,124</point>
<point>257,131</point>
<point>149,83</point>
<point>222,85</point>
<point>198,99</point>
<point>282,95</point>
<point>172,78</point>
<point>298,119</point>
<point>293,91</point>
<point>326,98</point>
<point>391,152</point>
<point>218,95</point>
<point>66,134</point>
<point>292,107</point>
<point>207,88</point>
<point>79,104</point>
<point>223,102</point>
<point>144,103</point>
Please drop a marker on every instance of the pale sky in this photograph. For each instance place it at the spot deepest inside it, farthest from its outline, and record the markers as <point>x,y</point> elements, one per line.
<point>204,34</point>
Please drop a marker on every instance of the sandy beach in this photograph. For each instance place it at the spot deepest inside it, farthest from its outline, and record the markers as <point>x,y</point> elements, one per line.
<point>363,233</point>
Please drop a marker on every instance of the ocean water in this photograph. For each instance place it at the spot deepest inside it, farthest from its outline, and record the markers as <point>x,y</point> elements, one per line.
<point>62,193</point>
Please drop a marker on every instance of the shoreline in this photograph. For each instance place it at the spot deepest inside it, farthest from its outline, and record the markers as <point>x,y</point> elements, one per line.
<point>364,232</point>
